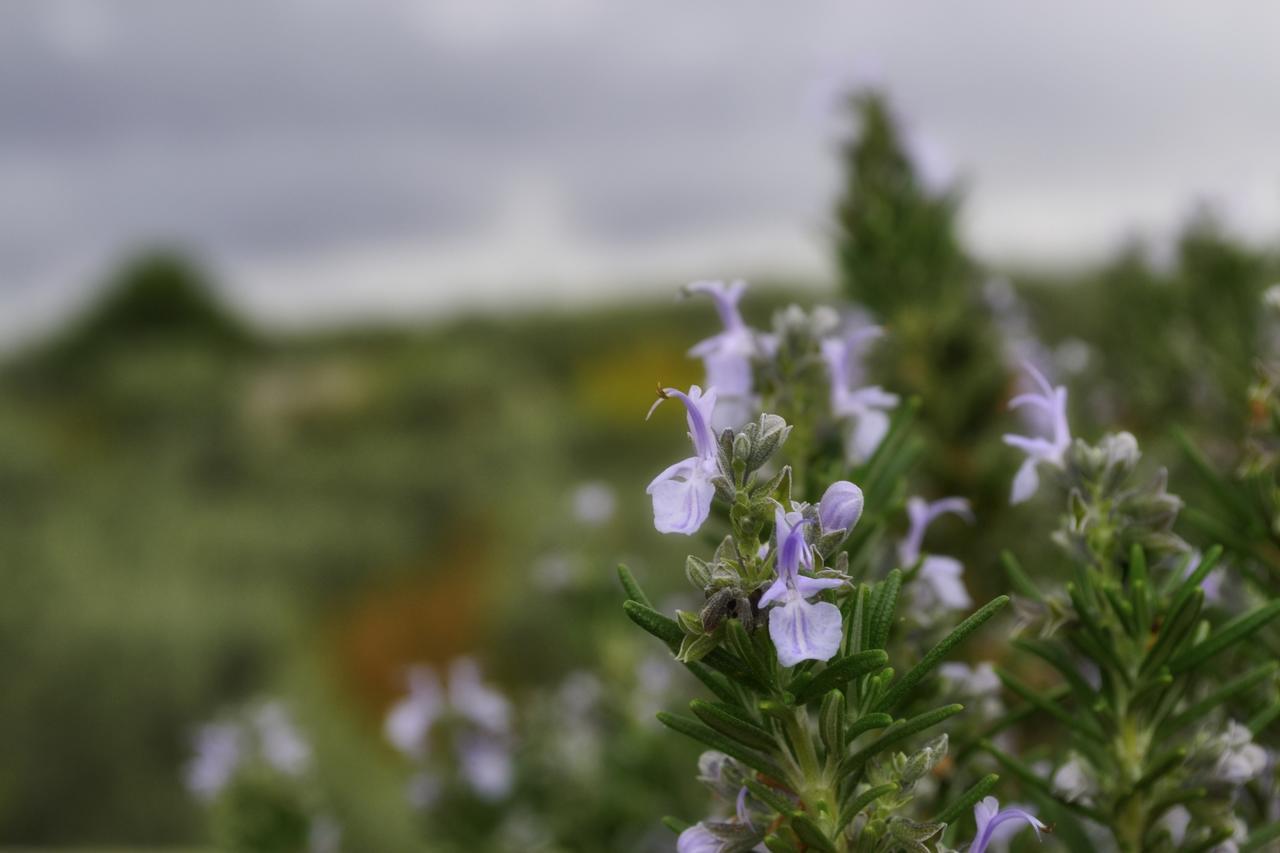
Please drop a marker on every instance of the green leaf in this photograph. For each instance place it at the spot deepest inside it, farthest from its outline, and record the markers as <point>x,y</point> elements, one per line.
<point>715,740</point>
<point>654,622</point>
<point>811,834</point>
<point>777,844</point>
<point>898,692</point>
<point>1261,837</point>
<point>854,632</point>
<point>1221,696</point>
<point>695,648</point>
<point>866,723</point>
<point>669,632</point>
<point>899,731</point>
<point>1076,722</point>
<point>960,806</point>
<point>1031,780</point>
<point>732,725</point>
<point>715,682</point>
<point>1177,627</point>
<point>631,587</point>
<point>675,824</point>
<point>769,796</point>
<point>1230,634</point>
<point>1192,581</point>
<point>831,722</point>
<point>1058,659</point>
<point>839,672</point>
<point>858,803</point>
<point>882,618</point>
<point>1018,578</point>
<point>746,650</point>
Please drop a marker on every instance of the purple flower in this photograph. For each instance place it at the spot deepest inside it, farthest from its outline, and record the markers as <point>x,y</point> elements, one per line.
<point>988,816</point>
<point>682,494</point>
<point>941,578</point>
<point>219,749</point>
<point>864,407</point>
<point>727,356</point>
<point>921,514</point>
<point>1052,403</point>
<point>840,507</point>
<point>800,629</point>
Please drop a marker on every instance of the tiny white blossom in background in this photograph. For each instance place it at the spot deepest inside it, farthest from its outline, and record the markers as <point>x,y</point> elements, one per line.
<point>481,724</point>
<point>282,744</point>
<point>978,685</point>
<point>1241,759</point>
<point>1072,781</point>
<point>594,503</point>
<point>1052,402</point>
<point>218,748</point>
<point>266,734</point>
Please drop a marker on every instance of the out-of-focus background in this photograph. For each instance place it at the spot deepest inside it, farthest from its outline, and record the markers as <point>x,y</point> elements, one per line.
<point>329,328</point>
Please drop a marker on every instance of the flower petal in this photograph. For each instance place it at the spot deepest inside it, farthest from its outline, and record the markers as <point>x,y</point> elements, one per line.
<point>681,506</point>
<point>1025,482</point>
<point>801,630</point>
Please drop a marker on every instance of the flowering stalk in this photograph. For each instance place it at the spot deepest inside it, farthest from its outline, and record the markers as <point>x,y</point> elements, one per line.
<point>806,714</point>
<point>1141,698</point>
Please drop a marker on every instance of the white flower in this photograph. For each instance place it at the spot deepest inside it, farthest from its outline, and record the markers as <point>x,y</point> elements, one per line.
<point>1241,759</point>
<point>594,503</point>
<point>1072,781</point>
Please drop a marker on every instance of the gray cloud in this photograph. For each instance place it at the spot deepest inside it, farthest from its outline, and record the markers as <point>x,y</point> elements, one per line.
<point>285,137</point>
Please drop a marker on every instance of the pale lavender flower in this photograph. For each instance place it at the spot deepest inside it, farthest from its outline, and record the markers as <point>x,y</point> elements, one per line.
<point>865,407</point>
<point>682,493</point>
<point>727,356</point>
<point>840,507</point>
<point>594,503</point>
<point>473,699</point>
<point>989,817</point>
<point>481,745</point>
<point>282,746</point>
<point>800,629</point>
<point>1052,402</point>
<point>698,839</point>
<point>219,748</point>
<point>978,686</point>
<point>1072,782</point>
<point>1240,759</point>
<point>413,716</point>
<point>485,762</point>
<point>941,578</point>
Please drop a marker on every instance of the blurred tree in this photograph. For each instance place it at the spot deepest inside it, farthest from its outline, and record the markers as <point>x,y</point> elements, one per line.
<point>899,255</point>
<point>155,295</point>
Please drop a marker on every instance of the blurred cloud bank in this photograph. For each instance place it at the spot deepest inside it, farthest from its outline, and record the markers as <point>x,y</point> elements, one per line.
<point>343,160</point>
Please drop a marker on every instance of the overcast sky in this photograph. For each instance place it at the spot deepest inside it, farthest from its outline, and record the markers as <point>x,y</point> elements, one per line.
<point>373,158</point>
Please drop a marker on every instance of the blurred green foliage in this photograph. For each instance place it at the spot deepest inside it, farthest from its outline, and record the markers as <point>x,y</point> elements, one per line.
<point>195,512</point>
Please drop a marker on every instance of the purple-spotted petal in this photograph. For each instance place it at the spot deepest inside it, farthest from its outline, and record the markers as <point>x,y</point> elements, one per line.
<point>802,630</point>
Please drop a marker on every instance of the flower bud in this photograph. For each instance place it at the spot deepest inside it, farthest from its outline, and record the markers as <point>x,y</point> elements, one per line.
<point>840,507</point>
